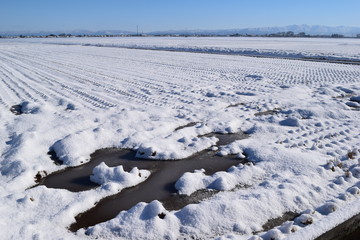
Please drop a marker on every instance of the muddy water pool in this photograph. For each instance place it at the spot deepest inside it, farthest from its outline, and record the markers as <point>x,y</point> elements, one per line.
<point>159,186</point>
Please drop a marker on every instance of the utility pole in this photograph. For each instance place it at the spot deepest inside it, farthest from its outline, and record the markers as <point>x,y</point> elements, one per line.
<point>137,30</point>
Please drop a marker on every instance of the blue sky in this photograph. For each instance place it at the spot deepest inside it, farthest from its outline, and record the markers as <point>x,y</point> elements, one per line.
<point>152,15</point>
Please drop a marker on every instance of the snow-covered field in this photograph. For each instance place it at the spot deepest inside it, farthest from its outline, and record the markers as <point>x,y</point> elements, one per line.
<point>77,98</point>
<point>329,49</point>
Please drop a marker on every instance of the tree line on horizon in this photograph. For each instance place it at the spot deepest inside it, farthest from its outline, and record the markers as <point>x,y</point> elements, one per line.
<point>278,34</point>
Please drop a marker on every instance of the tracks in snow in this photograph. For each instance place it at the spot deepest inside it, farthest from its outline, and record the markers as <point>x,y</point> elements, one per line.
<point>102,78</point>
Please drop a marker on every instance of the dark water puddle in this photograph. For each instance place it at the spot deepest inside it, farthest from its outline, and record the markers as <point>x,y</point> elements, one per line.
<point>348,230</point>
<point>268,112</point>
<point>272,223</point>
<point>347,95</point>
<point>159,186</point>
<point>54,157</point>
<point>187,125</point>
<point>235,105</point>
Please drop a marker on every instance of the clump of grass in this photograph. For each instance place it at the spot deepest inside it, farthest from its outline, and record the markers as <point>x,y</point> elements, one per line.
<point>40,175</point>
<point>352,154</point>
<point>331,164</point>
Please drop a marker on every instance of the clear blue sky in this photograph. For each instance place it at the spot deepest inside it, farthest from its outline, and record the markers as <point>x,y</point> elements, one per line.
<point>152,15</point>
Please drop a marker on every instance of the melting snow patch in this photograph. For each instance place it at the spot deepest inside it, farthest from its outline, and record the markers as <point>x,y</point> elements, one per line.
<point>235,176</point>
<point>103,174</point>
<point>150,218</point>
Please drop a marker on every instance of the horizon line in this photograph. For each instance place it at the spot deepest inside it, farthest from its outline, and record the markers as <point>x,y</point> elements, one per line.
<point>171,30</point>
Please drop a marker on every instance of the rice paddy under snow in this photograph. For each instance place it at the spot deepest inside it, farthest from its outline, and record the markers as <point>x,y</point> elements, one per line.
<point>75,99</point>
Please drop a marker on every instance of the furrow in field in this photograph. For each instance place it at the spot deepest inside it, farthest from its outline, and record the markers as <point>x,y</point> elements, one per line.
<point>8,93</point>
<point>159,78</point>
<point>10,81</point>
<point>93,100</point>
<point>49,81</point>
<point>86,80</point>
<point>135,93</point>
<point>169,75</point>
<point>24,79</point>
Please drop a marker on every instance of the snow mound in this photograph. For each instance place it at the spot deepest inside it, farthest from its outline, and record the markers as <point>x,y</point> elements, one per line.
<point>188,183</point>
<point>103,174</point>
<point>355,98</point>
<point>150,218</point>
<point>353,104</point>
<point>290,122</point>
<point>169,150</point>
<point>75,149</point>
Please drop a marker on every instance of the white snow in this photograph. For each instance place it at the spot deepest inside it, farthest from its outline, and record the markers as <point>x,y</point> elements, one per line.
<point>334,49</point>
<point>42,213</point>
<point>242,175</point>
<point>76,99</point>
<point>145,217</point>
<point>103,174</point>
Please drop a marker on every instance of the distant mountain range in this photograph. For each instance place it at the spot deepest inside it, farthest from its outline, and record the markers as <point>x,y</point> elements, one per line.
<point>308,29</point>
